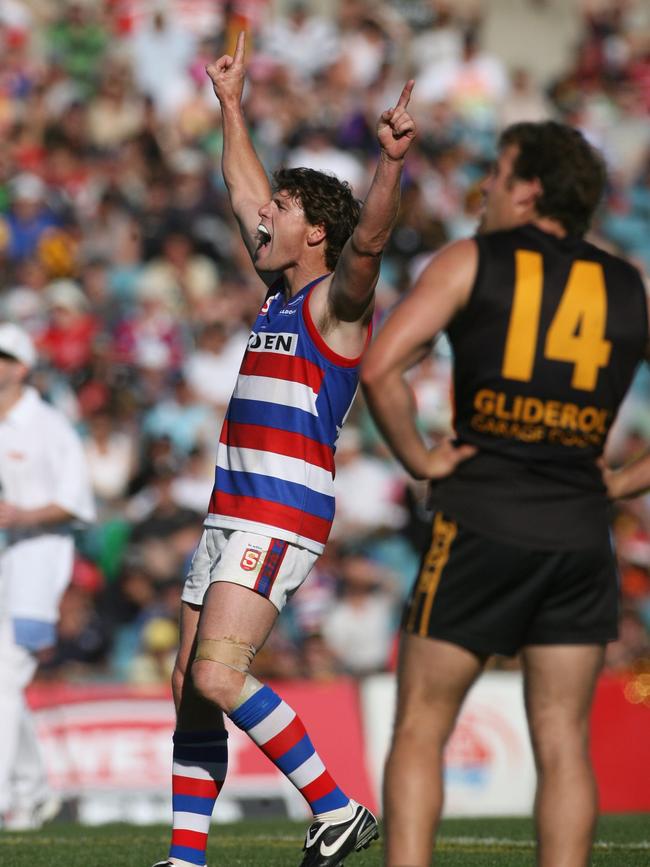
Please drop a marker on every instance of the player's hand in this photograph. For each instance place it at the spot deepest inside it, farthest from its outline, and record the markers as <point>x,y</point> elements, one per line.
<point>613,481</point>
<point>10,516</point>
<point>228,73</point>
<point>396,128</point>
<point>445,457</point>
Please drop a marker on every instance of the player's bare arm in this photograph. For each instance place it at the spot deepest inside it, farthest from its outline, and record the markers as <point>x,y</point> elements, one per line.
<point>15,517</point>
<point>633,479</point>
<point>248,185</point>
<point>440,293</point>
<point>349,295</point>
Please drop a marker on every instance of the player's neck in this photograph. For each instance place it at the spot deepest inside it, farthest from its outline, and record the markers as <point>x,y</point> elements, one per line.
<point>299,275</point>
<point>551,227</point>
<point>9,397</point>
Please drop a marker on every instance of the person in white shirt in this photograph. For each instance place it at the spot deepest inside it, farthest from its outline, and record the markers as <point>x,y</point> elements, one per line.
<point>45,486</point>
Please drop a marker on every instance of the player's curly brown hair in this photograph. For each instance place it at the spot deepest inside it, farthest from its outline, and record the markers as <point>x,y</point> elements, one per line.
<point>572,173</point>
<point>326,201</point>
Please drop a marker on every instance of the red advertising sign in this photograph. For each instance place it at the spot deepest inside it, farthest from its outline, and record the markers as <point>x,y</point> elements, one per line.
<point>107,739</point>
<point>620,742</point>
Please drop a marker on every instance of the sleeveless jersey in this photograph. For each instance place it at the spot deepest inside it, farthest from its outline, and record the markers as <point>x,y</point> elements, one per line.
<point>275,459</point>
<point>544,353</point>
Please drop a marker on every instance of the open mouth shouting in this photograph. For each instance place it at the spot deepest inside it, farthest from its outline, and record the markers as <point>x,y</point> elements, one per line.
<point>263,237</point>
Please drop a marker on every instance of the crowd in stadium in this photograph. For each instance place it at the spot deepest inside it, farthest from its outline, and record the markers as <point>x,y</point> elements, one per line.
<point>120,256</point>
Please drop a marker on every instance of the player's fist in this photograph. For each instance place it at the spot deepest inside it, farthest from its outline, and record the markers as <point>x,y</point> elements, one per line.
<point>227,73</point>
<point>396,128</point>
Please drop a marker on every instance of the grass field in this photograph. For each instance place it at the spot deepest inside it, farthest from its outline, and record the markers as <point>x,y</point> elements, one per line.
<point>623,841</point>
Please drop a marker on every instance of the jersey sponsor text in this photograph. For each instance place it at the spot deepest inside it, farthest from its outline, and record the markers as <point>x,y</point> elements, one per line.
<point>285,344</point>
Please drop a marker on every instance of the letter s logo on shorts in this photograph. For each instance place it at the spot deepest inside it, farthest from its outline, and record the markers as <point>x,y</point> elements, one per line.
<point>250,559</point>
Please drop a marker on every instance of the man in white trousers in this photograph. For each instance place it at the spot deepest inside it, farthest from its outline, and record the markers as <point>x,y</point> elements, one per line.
<point>45,486</point>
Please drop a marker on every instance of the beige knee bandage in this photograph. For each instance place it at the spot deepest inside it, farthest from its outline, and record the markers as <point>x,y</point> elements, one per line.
<point>234,654</point>
<point>250,687</point>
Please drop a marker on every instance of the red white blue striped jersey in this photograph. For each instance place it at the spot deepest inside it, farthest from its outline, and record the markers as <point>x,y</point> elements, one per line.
<point>275,460</point>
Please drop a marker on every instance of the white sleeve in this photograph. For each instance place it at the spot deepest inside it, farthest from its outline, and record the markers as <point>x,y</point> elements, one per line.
<point>72,488</point>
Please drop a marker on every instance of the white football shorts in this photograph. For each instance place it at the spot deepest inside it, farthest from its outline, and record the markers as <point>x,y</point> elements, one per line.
<point>271,567</point>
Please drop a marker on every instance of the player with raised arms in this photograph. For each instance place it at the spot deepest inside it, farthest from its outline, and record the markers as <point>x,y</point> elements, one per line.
<point>272,506</point>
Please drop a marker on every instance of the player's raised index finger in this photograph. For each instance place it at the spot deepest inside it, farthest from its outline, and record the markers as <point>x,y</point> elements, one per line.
<point>240,48</point>
<point>406,93</point>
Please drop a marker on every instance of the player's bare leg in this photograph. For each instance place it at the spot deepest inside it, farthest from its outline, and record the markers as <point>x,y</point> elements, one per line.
<point>434,677</point>
<point>234,623</point>
<point>193,712</point>
<point>230,613</point>
<point>559,688</point>
<point>200,752</point>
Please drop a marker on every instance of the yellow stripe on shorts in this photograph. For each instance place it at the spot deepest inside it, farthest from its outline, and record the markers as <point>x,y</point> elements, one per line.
<point>442,536</point>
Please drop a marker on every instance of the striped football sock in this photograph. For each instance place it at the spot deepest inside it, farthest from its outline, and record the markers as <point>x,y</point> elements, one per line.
<point>280,734</point>
<point>199,769</point>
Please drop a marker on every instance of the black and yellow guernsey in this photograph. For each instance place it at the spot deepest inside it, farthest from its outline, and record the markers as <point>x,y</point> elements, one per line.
<point>544,353</point>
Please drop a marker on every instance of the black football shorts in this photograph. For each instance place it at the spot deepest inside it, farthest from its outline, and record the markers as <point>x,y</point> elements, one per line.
<point>489,597</point>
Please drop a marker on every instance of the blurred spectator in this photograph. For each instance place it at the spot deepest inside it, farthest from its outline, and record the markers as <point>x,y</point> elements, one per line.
<point>105,229</point>
<point>526,101</point>
<point>317,150</point>
<point>302,42</point>
<point>83,639</point>
<point>314,598</point>
<point>360,626</point>
<point>111,457</point>
<point>180,277</point>
<point>364,52</point>
<point>192,487</point>
<point>211,369</point>
<point>150,337</point>
<point>77,41</point>
<point>28,218</point>
<point>185,420</point>
<point>318,659</point>
<point>68,337</point>
<point>475,83</point>
<point>116,112</point>
<point>167,82</point>
<point>24,306</point>
<point>438,42</point>
<point>157,456</point>
<point>368,490</point>
<point>155,661</point>
<point>164,534</point>
<point>633,644</point>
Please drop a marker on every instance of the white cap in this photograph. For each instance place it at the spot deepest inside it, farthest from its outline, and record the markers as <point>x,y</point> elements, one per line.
<point>16,342</point>
<point>28,187</point>
<point>67,294</point>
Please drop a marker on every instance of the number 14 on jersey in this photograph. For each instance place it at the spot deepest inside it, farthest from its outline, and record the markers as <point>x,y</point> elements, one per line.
<point>576,334</point>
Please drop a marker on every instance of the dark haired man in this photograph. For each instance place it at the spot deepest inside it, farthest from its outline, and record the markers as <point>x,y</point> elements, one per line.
<point>546,331</point>
<point>272,505</point>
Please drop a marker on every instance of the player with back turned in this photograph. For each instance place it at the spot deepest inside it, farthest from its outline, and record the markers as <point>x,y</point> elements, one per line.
<point>272,506</point>
<point>547,331</point>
